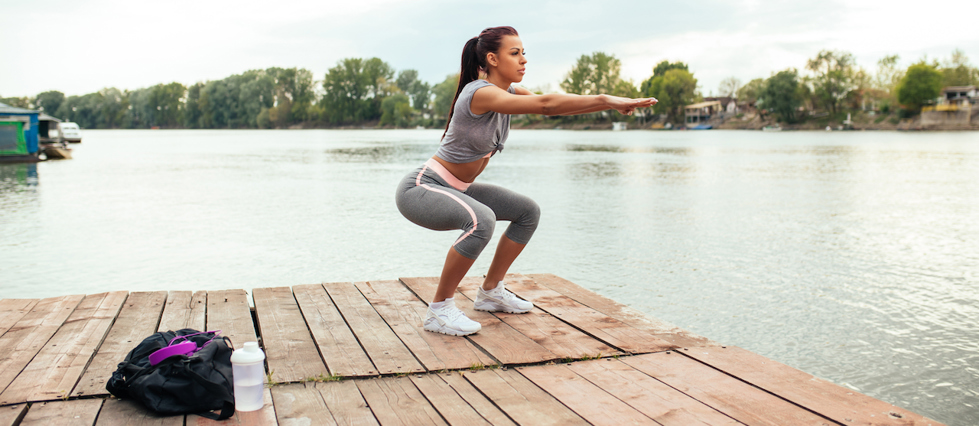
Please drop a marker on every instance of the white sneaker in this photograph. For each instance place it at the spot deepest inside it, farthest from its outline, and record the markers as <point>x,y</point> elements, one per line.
<point>450,320</point>
<point>500,299</point>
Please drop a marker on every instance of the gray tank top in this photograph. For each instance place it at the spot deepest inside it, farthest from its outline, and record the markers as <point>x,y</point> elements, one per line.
<point>470,136</point>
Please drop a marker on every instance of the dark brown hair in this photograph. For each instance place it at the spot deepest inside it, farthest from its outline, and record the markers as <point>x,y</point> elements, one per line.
<point>474,59</point>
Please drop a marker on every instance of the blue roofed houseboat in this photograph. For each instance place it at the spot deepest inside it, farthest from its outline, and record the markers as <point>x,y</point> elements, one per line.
<point>18,134</point>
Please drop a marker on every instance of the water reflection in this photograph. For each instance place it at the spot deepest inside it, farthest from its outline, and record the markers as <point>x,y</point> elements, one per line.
<point>16,178</point>
<point>629,149</point>
<point>386,153</point>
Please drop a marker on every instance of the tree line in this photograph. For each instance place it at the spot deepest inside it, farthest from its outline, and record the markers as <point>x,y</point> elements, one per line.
<point>834,85</point>
<point>358,92</point>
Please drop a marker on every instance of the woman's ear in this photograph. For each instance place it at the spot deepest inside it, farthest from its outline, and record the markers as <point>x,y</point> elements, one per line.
<point>491,59</point>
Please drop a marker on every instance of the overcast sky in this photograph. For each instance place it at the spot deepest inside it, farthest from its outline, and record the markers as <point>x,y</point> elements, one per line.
<point>81,46</point>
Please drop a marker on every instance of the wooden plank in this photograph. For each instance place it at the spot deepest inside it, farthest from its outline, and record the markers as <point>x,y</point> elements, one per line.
<point>501,341</point>
<point>454,409</point>
<point>301,404</point>
<point>724,393</point>
<point>396,401</point>
<point>656,400</point>
<point>12,415</point>
<point>597,324</point>
<point>12,310</point>
<point>522,400</point>
<point>184,310</point>
<point>78,412</point>
<point>263,417</point>
<point>137,320</point>
<point>289,348</point>
<point>56,368</point>
<point>124,412</point>
<point>553,334</point>
<point>475,398</point>
<point>346,403</point>
<point>676,336</point>
<point>27,336</point>
<point>404,313</point>
<point>833,401</point>
<point>583,397</point>
<point>385,349</point>
<point>228,311</point>
<point>336,343</point>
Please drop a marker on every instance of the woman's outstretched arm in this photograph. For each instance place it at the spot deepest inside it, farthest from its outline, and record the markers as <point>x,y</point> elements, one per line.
<point>492,98</point>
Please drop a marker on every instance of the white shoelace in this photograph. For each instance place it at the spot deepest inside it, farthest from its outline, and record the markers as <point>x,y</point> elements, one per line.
<point>452,314</point>
<point>506,295</point>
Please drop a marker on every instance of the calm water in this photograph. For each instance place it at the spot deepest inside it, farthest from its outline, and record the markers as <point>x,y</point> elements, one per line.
<point>852,256</point>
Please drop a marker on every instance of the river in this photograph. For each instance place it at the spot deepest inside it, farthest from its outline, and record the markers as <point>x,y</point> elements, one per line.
<point>853,256</point>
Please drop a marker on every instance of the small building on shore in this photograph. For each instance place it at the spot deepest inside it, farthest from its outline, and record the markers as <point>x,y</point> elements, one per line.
<point>702,113</point>
<point>953,110</point>
<point>18,134</point>
<point>960,95</point>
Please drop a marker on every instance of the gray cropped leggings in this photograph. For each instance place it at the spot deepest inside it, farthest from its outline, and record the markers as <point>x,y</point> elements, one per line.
<point>426,199</point>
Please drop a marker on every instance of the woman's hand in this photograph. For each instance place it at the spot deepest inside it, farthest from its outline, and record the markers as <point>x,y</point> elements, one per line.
<point>627,106</point>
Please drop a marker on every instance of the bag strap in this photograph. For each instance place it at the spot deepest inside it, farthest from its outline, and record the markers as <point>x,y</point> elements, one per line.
<point>227,398</point>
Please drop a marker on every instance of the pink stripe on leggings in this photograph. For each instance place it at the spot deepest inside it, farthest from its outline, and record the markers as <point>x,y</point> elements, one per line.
<point>472,214</point>
<point>446,175</point>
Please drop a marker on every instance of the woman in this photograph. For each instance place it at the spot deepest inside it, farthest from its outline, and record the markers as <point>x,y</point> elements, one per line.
<point>442,194</point>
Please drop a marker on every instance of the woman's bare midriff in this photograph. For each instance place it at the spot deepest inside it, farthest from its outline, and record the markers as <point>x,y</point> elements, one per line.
<point>465,172</point>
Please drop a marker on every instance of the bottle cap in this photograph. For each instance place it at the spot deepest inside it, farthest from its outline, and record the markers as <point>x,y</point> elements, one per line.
<point>249,354</point>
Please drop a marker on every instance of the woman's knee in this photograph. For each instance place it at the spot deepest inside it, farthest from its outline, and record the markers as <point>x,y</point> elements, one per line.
<point>477,234</point>
<point>531,214</point>
<point>485,222</point>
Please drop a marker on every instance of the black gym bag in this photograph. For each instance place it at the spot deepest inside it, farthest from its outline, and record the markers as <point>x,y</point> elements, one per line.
<point>179,384</point>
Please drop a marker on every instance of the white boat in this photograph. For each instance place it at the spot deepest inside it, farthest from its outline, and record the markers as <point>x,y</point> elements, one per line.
<point>70,132</point>
<point>772,129</point>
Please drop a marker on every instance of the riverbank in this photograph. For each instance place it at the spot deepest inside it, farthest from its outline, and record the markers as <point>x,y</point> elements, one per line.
<point>859,121</point>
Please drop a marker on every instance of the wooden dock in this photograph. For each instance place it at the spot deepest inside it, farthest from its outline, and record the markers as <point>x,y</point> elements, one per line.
<point>355,353</point>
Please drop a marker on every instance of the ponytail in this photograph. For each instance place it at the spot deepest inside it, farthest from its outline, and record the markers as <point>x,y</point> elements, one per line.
<point>474,60</point>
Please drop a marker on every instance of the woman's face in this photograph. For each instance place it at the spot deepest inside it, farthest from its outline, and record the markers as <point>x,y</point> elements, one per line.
<point>509,62</point>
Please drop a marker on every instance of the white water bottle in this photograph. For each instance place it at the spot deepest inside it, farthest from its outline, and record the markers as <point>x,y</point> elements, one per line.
<point>248,369</point>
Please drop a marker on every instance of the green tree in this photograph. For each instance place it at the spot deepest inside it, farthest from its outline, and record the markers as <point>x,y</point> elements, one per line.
<point>166,98</point>
<point>112,107</point>
<point>922,83</point>
<point>84,110</point>
<point>751,91</point>
<point>21,102</point>
<point>300,89</point>
<point>593,75</point>
<point>49,101</point>
<point>675,89</point>
<point>626,89</point>
<point>192,107</point>
<point>957,72</point>
<point>672,99</point>
<point>781,95</point>
<point>354,89</point>
<point>444,93</point>
<point>293,95</point>
<point>257,91</point>
<point>658,71</point>
<point>888,74</point>
<point>833,78</point>
<point>396,110</point>
<point>380,78</point>
<point>419,91</point>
